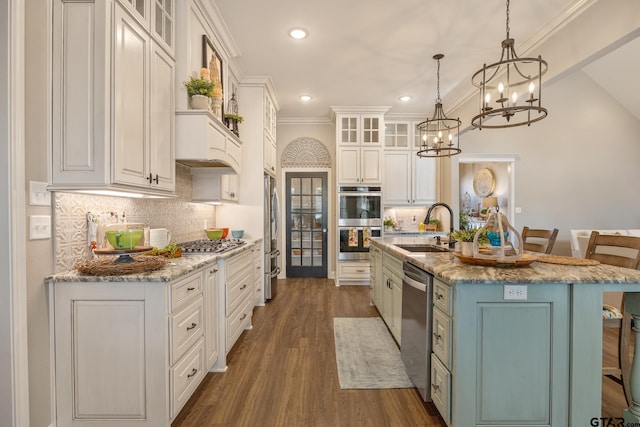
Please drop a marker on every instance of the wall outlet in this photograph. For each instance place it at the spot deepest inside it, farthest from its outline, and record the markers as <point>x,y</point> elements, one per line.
<point>515,292</point>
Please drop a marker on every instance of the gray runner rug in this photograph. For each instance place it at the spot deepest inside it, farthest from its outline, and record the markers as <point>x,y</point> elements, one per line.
<point>367,355</point>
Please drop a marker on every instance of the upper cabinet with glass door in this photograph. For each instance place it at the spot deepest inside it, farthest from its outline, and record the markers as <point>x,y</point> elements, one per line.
<point>156,16</point>
<point>360,129</point>
<point>408,179</point>
<point>359,140</point>
<point>397,135</point>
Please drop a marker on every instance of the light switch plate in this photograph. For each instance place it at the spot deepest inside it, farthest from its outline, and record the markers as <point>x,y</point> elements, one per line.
<point>39,227</point>
<point>38,194</point>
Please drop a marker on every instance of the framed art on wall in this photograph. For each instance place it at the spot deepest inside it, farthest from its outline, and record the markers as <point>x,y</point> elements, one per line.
<point>213,62</point>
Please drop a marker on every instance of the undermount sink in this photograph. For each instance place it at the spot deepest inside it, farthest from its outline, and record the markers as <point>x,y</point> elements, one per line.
<point>422,248</point>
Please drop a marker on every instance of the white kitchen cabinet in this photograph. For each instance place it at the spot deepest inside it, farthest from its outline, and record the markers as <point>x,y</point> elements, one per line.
<point>211,318</point>
<point>375,273</point>
<point>391,294</point>
<point>212,185</point>
<point>127,353</point>
<point>258,273</point>
<point>236,301</point>
<point>270,155</point>
<point>359,139</point>
<point>157,16</point>
<point>257,103</point>
<point>143,93</point>
<point>408,179</point>
<point>113,97</point>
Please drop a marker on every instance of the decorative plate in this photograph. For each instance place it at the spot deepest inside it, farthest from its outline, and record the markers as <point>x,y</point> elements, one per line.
<point>484,182</point>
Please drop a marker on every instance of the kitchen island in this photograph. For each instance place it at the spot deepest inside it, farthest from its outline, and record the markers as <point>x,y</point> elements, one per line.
<point>518,346</point>
<point>130,350</point>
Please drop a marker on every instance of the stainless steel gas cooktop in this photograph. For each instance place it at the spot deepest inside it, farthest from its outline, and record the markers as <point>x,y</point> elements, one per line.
<point>210,246</point>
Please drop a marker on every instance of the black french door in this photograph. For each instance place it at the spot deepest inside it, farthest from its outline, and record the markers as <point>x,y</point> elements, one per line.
<point>306,221</point>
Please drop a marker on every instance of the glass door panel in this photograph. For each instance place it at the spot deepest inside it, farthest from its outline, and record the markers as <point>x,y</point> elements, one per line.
<point>306,224</point>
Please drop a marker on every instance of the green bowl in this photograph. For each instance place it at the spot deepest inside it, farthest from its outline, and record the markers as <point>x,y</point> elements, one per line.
<point>214,233</point>
<point>124,239</point>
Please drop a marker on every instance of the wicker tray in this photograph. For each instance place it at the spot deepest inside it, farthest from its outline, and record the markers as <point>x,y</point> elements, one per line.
<point>567,260</point>
<point>487,262</point>
<point>114,266</point>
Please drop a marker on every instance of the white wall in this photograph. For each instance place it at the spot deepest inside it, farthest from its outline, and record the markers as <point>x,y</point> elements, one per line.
<point>578,168</point>
<point>39,252</point>
<point>6,398</point>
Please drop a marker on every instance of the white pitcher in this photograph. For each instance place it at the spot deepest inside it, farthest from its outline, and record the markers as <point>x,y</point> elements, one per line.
<point>159,237</point>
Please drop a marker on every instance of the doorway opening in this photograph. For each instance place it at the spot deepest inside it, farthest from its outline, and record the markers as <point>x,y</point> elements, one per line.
<point>306,224</point>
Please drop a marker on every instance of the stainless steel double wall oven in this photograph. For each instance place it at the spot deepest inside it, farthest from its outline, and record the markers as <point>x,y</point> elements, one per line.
<point>359,219</point>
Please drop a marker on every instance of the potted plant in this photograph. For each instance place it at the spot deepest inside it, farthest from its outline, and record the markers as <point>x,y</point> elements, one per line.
<point>465,237</point>
<point>200,91</point>
<point>232,120</point>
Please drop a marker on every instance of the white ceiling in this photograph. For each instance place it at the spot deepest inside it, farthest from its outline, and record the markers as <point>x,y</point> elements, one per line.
<point>371,52</point>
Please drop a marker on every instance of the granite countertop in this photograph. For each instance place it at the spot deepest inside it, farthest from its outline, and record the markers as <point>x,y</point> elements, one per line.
<point>176,268</point>
<point>414,233</point>
<point>447,267</point>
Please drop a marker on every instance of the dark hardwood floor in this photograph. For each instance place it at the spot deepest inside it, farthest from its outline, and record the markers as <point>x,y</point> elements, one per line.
<point>283,371</point>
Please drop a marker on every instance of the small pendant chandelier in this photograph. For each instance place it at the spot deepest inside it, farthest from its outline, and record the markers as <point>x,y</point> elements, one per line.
<point>516,84</point>
<point>437,134</point>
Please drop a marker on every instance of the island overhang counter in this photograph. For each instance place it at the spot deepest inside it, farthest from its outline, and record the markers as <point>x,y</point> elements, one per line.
<point>524,344</point>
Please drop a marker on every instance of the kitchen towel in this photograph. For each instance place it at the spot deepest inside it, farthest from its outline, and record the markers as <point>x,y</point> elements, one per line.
<point>353,236</point>
<point>366,237</point>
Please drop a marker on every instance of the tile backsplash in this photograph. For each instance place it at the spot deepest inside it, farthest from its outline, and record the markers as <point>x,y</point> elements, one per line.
<point>184,219</point>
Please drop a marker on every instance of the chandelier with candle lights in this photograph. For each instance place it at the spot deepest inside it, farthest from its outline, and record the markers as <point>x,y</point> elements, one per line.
<point>437,133</point>
<point>510,89</point>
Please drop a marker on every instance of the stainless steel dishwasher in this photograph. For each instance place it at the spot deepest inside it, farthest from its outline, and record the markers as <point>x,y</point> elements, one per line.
<point>415,334</point>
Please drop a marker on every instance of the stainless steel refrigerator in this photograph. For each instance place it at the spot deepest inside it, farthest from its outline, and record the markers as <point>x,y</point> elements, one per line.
<point>271,226</point>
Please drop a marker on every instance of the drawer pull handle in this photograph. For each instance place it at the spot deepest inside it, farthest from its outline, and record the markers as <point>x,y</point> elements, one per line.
<point>438,337</point>
<point>360,271</point>
<point>215,270</point>
<point>193,325</point>
<point>191,289</point>
<point>439,296</point>
<point>243,286</point>
<point>244,316</point>
<point>193,372</point>
<point>435,387</point>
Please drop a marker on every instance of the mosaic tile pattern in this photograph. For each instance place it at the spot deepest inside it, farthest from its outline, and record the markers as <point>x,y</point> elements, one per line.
<point>186,220</point>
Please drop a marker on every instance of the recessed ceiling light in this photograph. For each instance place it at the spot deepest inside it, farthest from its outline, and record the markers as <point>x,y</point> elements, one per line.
<point>298,33</point>
<point>405,98</point>
<point>305,98</point>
